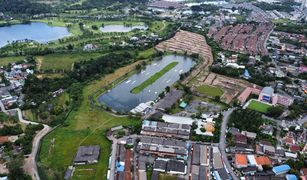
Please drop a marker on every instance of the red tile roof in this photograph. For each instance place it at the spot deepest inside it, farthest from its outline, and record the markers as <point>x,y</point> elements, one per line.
<point>240,159</point>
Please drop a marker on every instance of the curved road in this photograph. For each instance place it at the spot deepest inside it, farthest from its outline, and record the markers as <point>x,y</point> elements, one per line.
<point>30,165</point>
<point>222,144</point>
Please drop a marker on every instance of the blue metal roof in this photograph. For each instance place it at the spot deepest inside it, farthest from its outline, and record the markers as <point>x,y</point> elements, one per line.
<point>246,73</point>
<point>291,177</point>
<point>281,168</point>
<point>183,104</point>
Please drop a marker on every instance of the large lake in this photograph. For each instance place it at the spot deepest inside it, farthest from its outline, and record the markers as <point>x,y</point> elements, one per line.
<point>121,28</point>
<point>120,99</point>
<point>37,31</point>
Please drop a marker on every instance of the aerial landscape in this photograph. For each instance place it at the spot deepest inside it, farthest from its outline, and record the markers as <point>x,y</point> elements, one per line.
<point>153,89</point>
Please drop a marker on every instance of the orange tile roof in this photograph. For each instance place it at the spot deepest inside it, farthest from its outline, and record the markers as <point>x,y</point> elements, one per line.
<point>263,160</point>
<point>4,139</point>
<point>241,159</point>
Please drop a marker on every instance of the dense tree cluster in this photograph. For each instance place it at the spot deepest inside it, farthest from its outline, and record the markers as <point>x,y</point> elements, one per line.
<point>227,71</point>
<point>284,6</point>
<point>25,141</point>
<point>296,109</point>
<point>86,70</point>
<point>16,171</point>
<point>275,111</point>
<point>246,120</point>
<point>292,28</point>
<point>11,130</point>
<point>204,7</point>
<point>249,120</point>
<point>23,7</point>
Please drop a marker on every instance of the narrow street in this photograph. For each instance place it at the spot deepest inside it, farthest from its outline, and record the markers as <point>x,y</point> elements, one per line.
<point>30,165</point>
<point>222,144</point>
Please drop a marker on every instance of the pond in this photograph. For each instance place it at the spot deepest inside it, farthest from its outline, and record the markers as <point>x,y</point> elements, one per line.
<point>122,100</point>
<point>121,28</point>
<point>36,31</point>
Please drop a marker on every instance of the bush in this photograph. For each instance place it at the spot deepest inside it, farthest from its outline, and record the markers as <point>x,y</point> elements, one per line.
<point>275,111</point>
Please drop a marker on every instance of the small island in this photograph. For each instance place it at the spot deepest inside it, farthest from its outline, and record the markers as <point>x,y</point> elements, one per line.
<point>153,78</point>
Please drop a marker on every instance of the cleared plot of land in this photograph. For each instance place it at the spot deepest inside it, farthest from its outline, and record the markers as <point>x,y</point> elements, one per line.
<point>63,61</point>
<point>83,127</point>
<point>153,78</point>
<point>258,106</point>
<point>210,90</point>
<point>189,43</point>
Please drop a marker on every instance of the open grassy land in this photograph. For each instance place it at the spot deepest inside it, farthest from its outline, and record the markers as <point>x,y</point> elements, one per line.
<point>146,54</point>
<point>210,90</point>
<point>153,78</point>
<point>63,61</point>
<point>6,60</point>
<point>258,106</point>
<point>57,61</point>
<point>83,127</point>
<point>166,177</point>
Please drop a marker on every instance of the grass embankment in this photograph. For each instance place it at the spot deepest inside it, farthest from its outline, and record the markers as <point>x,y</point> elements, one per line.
<point>210,90</point>
<point>153,78</point>
<point>258,106</point>
<point>83,127</point>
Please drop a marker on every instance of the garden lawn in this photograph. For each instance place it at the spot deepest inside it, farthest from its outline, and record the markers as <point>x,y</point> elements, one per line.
<point>83,127</point>
<point>210,90</point>
<point>153,78</point>
<point>258,106</point>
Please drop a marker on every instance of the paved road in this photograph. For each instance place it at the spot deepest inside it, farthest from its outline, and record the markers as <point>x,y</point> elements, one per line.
<point>30,165</point>
<point>113,156</point>
<point>222,144</point>
<point>302,120</point>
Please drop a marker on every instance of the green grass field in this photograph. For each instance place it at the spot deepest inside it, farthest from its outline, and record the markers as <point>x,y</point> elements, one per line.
<point>63,61</point>
<point>153,78</point>
<point>210,90</point>
<point>55,61</point>
<point>6,60</point>
<point>258,106</point>
<point>84,127</point>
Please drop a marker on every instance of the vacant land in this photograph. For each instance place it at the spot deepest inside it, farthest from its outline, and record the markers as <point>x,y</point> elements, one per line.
<point>63,61</point>
<point>153,78</point>
<point>189,43</point>
<point>210,90</point>
<point>83,127</point>
<point>258,106</point>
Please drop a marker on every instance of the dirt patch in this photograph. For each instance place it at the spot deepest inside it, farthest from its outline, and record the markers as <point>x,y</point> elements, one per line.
<point>39,63</point>
<point>189,43</point>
